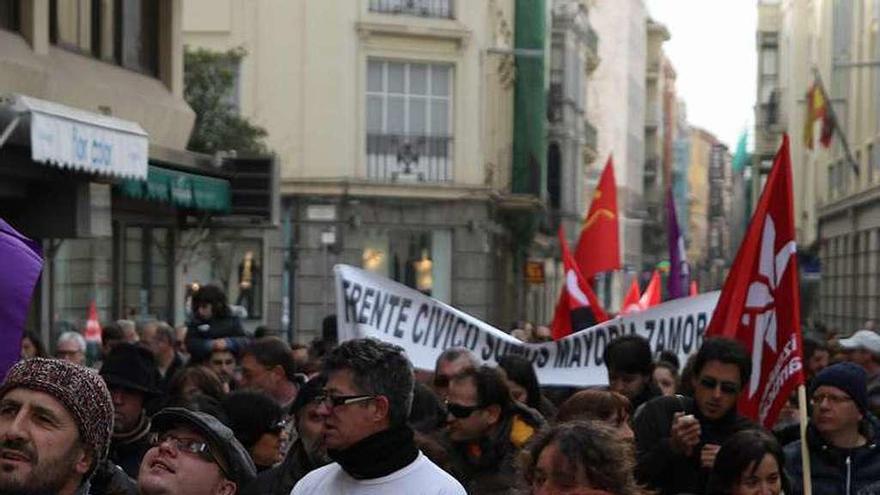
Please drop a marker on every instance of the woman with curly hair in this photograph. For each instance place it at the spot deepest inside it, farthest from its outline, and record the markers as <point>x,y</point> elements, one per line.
<point>580,458</point>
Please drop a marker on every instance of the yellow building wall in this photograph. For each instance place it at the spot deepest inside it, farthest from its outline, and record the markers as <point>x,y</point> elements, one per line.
<point>304,79</point>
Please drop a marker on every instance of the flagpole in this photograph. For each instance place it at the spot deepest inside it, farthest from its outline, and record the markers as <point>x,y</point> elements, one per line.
<point>805,450</point>
<point>838,125</point>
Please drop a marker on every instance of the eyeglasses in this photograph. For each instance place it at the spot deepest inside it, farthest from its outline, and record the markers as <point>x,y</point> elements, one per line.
<point>728,388</point>
<point>818,399</point>
<point>460,411</point>
<point>332,401</point>
<point>185,445</point>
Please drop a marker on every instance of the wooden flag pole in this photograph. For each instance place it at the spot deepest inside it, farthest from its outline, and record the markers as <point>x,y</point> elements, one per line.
<point>805,450</point>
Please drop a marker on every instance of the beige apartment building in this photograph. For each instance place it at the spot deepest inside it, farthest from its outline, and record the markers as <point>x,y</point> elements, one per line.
<point>837,208</point>
<point>392,122</point>
<point>95,167</point>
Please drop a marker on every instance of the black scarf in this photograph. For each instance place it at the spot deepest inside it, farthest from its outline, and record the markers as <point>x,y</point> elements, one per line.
<point>378,455</point>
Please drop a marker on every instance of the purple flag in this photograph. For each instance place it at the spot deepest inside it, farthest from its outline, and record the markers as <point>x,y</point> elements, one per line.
<point>21,262</point>
<point>679,272</point>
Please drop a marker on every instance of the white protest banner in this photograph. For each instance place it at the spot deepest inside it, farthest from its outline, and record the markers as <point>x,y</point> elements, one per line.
<point>369,305</point>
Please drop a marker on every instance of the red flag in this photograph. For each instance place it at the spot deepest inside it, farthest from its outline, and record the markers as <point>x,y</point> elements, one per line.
<point>694,291</point>
<point>652,294</point>
<point>598,247</point>
<point>578,307</point>
<point>93,326</point>
<point>760,302</point>
<point>631,301</point>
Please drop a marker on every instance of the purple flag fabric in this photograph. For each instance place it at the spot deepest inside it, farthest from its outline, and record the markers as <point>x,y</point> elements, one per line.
<point>679,273</point>
<point>21,261</point>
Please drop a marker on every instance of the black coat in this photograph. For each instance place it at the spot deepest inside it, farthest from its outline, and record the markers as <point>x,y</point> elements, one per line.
<point>110,479</point>
<point>280,479</point>
<point>833,469</point>
<point>661,468</point>
<point>200,336</point>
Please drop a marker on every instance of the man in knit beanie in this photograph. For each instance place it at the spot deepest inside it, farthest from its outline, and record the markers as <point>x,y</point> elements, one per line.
<point>842,436</point>
<point>56,418</point>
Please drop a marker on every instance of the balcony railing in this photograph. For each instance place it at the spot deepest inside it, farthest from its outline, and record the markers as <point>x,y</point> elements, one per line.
<point>420,8</point>
<point>409,158</point>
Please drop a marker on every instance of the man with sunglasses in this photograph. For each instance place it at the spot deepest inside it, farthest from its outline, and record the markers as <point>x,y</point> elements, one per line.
<point>843,438</point>
<point>487,429</point>
<point>365,405</point>
<point>193,453</point>
<point>678,437</point>
<point>450,363</point>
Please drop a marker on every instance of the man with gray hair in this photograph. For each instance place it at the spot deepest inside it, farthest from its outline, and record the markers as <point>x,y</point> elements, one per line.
<point>450,363</point>
<point>71,346</point>
<point>159,338</point>
<point>365,403</point>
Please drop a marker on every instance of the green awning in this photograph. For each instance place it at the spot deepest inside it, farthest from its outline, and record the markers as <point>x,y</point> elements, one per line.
<point>181,189</point>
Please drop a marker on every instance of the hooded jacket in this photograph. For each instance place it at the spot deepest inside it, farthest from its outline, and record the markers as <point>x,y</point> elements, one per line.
<point>834,470</point>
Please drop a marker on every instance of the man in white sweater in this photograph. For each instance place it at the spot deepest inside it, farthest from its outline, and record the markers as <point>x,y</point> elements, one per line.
<point>365,404</point>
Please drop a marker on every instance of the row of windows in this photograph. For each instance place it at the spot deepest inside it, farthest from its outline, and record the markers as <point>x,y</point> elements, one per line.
<point>850,279</point>
<point>124,32</point>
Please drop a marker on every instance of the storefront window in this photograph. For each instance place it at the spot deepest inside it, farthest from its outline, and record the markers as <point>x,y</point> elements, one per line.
<point>246,284</point>
<point>419,259</point>
<point>79,272</point>
<point>146,273</point>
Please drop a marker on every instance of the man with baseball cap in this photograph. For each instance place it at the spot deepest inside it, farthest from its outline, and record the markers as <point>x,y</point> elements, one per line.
<point>55,424</point>
<point>863,349</point>
<point>842,437</point>
<point>195,454</point>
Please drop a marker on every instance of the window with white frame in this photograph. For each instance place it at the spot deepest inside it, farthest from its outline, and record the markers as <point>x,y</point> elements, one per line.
<point>409,120</point>
<point>409,98</point>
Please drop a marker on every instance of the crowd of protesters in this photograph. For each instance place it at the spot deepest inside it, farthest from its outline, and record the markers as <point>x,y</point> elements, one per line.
<point>213,410</point>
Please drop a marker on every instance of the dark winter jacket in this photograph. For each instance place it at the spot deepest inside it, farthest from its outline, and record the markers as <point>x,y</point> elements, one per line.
<point>489,466</point>
<point>200,336</point>
<point>280,479</point>
<point>661,468</point>
<point>127,450</point>
<point>837,471</point>
<point>110,479</point>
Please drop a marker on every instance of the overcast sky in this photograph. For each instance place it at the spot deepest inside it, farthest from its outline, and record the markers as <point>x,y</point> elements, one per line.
<point>713,51</point>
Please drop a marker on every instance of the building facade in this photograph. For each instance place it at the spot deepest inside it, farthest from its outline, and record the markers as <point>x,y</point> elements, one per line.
<point>393,124</point>
<point>701,145</point>
<point>572,138</point>
<point>837,195</point>
<point>616,106</point>
<point>95,166</point>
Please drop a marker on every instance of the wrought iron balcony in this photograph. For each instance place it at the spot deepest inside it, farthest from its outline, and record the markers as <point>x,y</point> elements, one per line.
<point>420,8</point>
<point>409,158</point>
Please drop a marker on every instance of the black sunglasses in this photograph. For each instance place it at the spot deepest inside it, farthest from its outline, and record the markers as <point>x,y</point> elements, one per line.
<point>460,411</point>
<point>728,388</point>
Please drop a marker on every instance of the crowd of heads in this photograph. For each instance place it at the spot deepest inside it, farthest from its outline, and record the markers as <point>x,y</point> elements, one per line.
<point>213,409</point>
